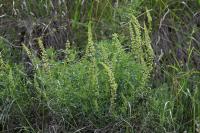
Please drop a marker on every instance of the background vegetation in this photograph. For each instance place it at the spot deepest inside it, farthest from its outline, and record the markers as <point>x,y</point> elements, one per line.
<point>99,66</point>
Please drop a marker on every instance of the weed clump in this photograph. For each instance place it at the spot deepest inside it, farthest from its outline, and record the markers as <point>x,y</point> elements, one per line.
<point>101,87</point>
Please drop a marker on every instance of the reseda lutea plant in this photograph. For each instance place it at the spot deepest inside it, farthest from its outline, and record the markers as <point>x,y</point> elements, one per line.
<point>108,83</point>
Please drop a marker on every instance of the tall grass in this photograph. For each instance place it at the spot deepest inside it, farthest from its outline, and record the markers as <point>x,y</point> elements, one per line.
<point>47,17</point>
<point>175,34</point>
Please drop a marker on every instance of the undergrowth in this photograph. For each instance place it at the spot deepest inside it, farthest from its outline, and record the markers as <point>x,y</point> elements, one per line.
<point>59,72</point>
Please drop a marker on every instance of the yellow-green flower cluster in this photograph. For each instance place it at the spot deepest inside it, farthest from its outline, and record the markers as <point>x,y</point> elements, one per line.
<point>136,40</point>
<point>43,53</point>
<point>141,48</point>
<point>113,86</point>
<point>1,61</point>
<point>90,50</point>
<point>90,55</point>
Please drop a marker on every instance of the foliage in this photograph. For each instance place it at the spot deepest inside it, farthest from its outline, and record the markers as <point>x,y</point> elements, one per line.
<point>63,70</point>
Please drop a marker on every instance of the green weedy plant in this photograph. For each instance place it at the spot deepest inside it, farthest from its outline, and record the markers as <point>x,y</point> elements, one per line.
<point>106,80</point>
<point>105,85</point>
